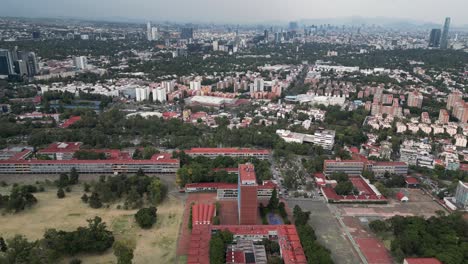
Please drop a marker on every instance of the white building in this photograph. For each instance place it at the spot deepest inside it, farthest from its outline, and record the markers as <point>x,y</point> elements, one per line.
<point>159,94</point>
<point>460,140</point>
<point>215,45</point>
<point>154,33</point>
<point>80,62</point>
<point>195,85</point>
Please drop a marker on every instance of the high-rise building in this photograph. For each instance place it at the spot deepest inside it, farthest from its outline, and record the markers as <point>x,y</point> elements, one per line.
<point>444,40</point>
<point>453,98</point>
<point>31,62</point>
<point>415,99</point>
<point>195,85</point>
<point>444,116</point>
<point>258,85</point>
<point>293,25</point>
<point>154,33</point>
<point>434,38</point>
<point>247,196</point>
<point>80,62</point>
<point>6,62</point>
<point>159,94</point>
<point>215,45</point>
<point>149,35</point>
<point>186,33</point>
<point>461,195</point>
<point>21,68</point>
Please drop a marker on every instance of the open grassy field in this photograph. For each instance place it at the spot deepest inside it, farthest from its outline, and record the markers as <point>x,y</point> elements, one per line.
<point>157,243</point>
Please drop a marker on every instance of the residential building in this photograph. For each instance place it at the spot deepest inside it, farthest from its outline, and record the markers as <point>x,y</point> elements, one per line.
<point>460,140</point>
<point>444,116</point>
<point>186,33</point>
<point>454,97</point>
<point>80,62</point>
<point>415,99</point>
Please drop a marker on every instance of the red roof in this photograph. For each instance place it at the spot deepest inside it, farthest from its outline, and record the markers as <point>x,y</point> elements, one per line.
<point>202,214</point>
<point>400,196</point>
<point>247,172</point>
<point>411,180</point>
<point>422,261</point>
<point>61,147</point>
<point>227,151</point>
<point>20,155</point>
<point>72,120</point>
<point>464,167</point>
<point>212,185</point>
<point>156,159</point>
<point>229,170</point>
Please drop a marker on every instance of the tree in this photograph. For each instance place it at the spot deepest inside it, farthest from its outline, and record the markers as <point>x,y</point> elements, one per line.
<point>157,191</point>
<point>63,180</point>
<point>123,252</point>
<point>146,217</point>
<point>378,226</point>
<point>344,188</point>
<point>60,193</point>
<point>94,201</point>
<point>74,176</point>
<point>274,200</point>
<point>134,199</point>
<point>85,198</point>
<point>3,246</point>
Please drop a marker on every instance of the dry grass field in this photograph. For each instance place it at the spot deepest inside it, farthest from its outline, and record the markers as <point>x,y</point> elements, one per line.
<point>157,243</point>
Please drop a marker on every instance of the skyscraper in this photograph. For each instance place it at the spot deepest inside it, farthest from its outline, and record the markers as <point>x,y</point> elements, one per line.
<point>444,42</point>
<point>31,63</point>
<point>6,62</point>
<point>186,33</point>
<point>80,62</point>
<point>434,38</point>
<point>149,34</point>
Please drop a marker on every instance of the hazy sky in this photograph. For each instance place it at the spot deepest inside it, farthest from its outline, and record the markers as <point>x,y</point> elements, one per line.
<point>240,10</point>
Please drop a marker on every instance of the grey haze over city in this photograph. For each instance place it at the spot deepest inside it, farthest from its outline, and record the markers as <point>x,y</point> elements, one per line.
<point>246,11</point>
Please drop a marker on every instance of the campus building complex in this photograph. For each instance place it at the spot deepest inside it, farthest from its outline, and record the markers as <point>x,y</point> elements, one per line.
<point>60,159</point>
<point>245,247</point>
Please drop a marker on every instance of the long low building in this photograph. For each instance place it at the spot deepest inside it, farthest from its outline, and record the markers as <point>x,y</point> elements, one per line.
<point>229,152</point>
<point>159,163</point>
<point>356,167</point>
<point>228,191</point>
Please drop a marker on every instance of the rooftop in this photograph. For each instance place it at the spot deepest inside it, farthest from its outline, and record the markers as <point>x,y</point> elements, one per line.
<point>422,261</point>
<point>247,173</point>
<point>61,147</point>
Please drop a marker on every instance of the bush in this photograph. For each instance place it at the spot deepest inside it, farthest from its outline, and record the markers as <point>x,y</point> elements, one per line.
<point>60,193</point>
<point>75,261</point>
<point>146,217</point>
<point>84,198</point>
<point>95,201</point>
<point>68,189</point>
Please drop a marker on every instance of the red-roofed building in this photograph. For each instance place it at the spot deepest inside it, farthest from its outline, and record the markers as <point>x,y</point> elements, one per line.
<point>286,236</point>
<point>61,150</point>
<point>411,182</point>
<point>421,261</point>
<point>402,197</point>
<point>202,214</point>
<point>247,196</point>
<point>161,163</point>
<point>231,152</point>
<point>72,120</point>
<point>367,193</point>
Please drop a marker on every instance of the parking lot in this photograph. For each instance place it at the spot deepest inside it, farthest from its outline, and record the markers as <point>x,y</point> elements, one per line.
<point>329,232</point>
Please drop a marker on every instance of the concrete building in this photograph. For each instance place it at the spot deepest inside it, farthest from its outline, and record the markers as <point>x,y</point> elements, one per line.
<point>247,200</point>
<point>212,153</point>
<point>461,195</point>
<point>80,62</point>
<point>460,140</point>
<point>415,99</point>
<point>6,62</point>
<point>195,85</point>
<point>444,116</point>
<point>159,94</point>
<point>454,97</point>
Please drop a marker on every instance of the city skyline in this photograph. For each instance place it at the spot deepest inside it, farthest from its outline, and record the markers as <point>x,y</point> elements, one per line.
<point>260,11</point>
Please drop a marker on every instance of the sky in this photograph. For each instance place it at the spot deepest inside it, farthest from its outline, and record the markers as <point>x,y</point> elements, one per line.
<point>240,11</point>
